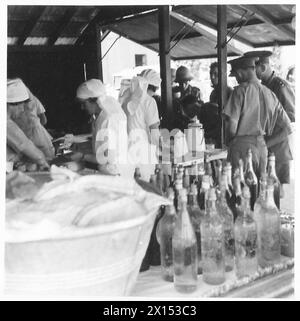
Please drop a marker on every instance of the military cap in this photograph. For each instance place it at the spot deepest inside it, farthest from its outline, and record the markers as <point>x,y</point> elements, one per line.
<point>241,63</point>
<point>263,55</point>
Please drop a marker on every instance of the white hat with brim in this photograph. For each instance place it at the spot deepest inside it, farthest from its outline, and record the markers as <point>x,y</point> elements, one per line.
<point>16,91</point>
<point>92,88</point>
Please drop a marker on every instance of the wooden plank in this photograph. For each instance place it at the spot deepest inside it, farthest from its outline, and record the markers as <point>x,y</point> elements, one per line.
<point>222,63</point>
<point>209,35</point>
<point>265,17</point>
<point>165,61</point>
<point>31,24</point>
<point>203,57</point>
<point>63,24</point>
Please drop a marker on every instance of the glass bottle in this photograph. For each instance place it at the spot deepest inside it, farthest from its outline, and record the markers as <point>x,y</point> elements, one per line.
<point>251,179</point>
<point>194,174</point>
<point>275,181</point>
<point>208,171</point>
<point>259,212</point>
<point>228,171</point>
<point>196,215</point>
<point>245,234</point>
<point>227,216</point>
<point>202,195</point>
<point>184,246</point>
<point>212,242</point>
<point>270,229</point>
<point>200,175</point>
<point>186,179</point>
<point>178,186</point>
<point>164,235</point>
<point>218,171</point>
<point>241,172</point>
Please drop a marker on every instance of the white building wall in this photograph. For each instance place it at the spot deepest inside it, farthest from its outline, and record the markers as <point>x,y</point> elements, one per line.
<point>121,57</point>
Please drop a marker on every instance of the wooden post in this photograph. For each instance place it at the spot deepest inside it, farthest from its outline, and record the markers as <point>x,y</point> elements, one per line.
<point>222,61</point>
<point>165,63</point>
<point>93,53</point>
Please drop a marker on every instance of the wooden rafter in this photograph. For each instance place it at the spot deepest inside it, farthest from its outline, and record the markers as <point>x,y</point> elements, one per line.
<point>95,16</point>
<point>190,35</point>
<point>202,31</point>
<point>70,12</point>
<point>265,17</point>
<point>38,12</point>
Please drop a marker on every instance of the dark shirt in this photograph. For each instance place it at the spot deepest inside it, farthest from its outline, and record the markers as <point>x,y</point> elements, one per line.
<point>213,98</point>
<point>190,90</point>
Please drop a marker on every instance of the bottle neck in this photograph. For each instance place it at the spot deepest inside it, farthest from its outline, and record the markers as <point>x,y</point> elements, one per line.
<point>263,187</point>
<point>211,205</point>
<point>242,174</point>
<point>271,168</point>
<point>245,203</point>
<point>249,165</point>
<point>270,197</point>
<point>192,199</point>
<point>228,173</point>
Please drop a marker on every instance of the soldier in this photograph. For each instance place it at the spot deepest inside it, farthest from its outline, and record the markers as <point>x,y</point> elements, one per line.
<point>279,86</point>
<point>250,113</point>
<point>183,77</point>
<point>286,96</point>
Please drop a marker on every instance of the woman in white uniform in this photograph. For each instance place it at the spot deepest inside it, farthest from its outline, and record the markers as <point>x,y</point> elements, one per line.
<point>142,126</point>
<point>109,129</point>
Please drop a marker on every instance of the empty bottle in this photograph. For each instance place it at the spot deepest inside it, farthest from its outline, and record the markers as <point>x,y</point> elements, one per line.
<point>270,229</point>
<point>227,216</point>
<point>208,171</point>
<point>202,196</point>
<point>251,179</point>
<point>228,171</point>
<point>273,177</point>
<point>196,215</point>
<point>184,246</point>
<point>194,174</point>
<point>245,233</point>
<point>212,242</point>
<point>186,179</point>
<point>258,213</point>
<point>241,172</point>
<point>164,235</point>
<point>237,196</point>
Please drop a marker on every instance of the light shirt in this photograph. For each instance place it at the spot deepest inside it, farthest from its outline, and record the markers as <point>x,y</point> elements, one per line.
<point>109,141</point>
<point>253,109</point>
<point>145,115</point>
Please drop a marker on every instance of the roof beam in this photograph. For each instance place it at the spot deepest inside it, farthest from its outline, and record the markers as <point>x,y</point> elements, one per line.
<point>252,22</point>
<point>31,24</point>
<point>87,28</point>
<point>203,57</point>
<point>156,40</point>
<point>196,26</point>
<point>70,12</point>
<point>265,17</point>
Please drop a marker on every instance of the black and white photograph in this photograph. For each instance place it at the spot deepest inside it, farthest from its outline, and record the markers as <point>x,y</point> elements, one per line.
<point>150,151</point>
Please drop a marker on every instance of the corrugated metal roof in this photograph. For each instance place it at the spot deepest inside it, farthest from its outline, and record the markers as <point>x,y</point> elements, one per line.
<point>257,26</point>
<point>262,25</point>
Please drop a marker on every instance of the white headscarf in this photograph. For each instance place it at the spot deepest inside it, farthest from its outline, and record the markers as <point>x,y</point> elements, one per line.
<point>138,91</point>
<point>94,88</point>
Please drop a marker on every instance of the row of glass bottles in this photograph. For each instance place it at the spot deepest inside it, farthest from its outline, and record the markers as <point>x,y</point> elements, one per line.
<point>208,241</point>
